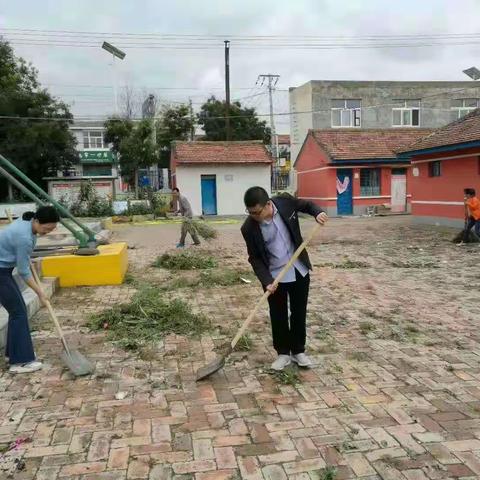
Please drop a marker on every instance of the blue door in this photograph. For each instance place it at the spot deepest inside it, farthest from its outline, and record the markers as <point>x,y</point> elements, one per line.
<point>344,192</point>
<point>209,195</point>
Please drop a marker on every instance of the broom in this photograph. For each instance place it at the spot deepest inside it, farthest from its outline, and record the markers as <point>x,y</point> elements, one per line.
<point>200,228</point>
<point>471,237</point>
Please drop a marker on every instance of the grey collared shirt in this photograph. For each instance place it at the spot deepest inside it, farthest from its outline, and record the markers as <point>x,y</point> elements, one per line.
<point>280,247</point>
<point>185,207</point>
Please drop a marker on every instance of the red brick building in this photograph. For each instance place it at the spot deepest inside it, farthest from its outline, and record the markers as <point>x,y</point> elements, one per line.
<point>345,171</point>
<point>443,164</point>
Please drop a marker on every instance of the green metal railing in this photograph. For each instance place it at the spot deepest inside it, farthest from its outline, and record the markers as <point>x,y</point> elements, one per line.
<point>85,236</point>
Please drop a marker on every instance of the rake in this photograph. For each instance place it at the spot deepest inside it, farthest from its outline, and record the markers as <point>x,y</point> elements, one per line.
<point>218,363</point>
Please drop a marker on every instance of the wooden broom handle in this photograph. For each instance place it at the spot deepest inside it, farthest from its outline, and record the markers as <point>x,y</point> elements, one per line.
<point>52,313</point>
<point>277,280</point>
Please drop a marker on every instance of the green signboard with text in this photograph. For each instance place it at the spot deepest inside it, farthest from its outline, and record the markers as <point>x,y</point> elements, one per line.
<point>97,156</point>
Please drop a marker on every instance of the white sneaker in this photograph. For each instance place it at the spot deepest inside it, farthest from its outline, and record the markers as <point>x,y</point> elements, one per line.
<point>281,362</point>
<point>302,360</point>
<point>26,367</point>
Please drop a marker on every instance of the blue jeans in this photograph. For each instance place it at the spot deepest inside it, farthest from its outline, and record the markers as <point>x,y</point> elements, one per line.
<point>19,341</point>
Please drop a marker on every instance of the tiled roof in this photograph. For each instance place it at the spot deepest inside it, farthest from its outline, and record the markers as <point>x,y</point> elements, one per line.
<point>359,144</point>
<point>465,129</point>
<point>220,152</point>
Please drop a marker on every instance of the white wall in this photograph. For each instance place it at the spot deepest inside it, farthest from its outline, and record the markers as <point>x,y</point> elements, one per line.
<point>300,101</point>
<point>229,193</point>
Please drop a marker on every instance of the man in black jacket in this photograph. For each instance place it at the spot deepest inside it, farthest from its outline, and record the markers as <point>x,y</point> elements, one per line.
<point>272,234</point>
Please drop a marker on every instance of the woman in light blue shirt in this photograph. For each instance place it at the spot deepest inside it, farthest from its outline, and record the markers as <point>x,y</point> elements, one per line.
<point>17,242</point>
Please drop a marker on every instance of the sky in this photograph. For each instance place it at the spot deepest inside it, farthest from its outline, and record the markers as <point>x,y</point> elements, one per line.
<point>84,77</point>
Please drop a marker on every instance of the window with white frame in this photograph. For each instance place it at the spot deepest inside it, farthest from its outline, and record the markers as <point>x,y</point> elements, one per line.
<point>406,113</point>
<point>93,139</point>
<point>462,106</point>
<point>369,182</point>
<point>346,113</point>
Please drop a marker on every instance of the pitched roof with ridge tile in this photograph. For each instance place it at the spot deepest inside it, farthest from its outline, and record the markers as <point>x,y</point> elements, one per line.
<point>463,130</point>
<point>363,144</point>
<point>221,152</point>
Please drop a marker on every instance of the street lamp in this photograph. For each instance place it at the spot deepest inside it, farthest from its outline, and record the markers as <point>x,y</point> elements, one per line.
<point>472,72</point>
<point>121,55</point>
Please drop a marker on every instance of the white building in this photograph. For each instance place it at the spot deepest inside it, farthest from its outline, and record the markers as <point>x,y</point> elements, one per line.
<point>215,175</point>
<point>96,163</point>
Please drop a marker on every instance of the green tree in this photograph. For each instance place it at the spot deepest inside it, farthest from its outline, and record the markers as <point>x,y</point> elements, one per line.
<point>132,142</point>
<point>34,130</point>
<point>175,123</point>
<point>244,123</point>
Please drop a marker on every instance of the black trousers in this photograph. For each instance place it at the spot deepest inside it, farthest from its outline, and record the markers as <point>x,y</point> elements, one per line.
<point>289,336</point>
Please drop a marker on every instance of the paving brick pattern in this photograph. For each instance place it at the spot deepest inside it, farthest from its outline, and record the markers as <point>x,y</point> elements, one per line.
<point>394,392</point>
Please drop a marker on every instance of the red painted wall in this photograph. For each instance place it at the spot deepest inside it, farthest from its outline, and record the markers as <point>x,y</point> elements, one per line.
<point>456,174</point>
<point>316,182</point>
<point>320,183</point>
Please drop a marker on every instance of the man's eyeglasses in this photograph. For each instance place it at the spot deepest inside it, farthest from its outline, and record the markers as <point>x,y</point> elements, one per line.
<point>255,213</point>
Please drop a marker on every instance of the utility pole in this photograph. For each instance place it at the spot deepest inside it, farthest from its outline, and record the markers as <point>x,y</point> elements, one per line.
<point>272,81</point>
<point>228,132</point>
<point>149,111</point>
<point>192,131</point>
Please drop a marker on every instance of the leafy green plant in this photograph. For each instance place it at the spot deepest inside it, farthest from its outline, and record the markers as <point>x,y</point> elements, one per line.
<point>88,202</point>
<point>139,209</point>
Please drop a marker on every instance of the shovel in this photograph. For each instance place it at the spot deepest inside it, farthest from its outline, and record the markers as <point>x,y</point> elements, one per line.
<point>218,363</point>
<point>77,363</point>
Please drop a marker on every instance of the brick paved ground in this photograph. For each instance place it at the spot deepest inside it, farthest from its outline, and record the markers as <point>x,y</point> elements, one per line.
<point>394,392</point>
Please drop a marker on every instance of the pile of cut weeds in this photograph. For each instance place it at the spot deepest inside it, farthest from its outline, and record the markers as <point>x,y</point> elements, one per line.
<point>185,260</point>
<point>147,319</point>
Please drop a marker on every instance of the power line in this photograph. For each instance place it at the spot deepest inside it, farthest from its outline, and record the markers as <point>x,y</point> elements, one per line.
<point>280,114</point>
<point>58,38</point>
<point>307,47</point>
<point>21,31</point>
<point>149,87</point>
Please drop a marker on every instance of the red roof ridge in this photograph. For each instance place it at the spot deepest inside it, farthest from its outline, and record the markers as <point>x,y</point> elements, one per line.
<point>429,140</point>
<point>223,152</point>
<point>364,143</point>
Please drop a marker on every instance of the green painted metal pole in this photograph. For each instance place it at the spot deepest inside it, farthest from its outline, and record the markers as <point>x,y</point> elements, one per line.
<point>83,238</point>
<point>58,206</point>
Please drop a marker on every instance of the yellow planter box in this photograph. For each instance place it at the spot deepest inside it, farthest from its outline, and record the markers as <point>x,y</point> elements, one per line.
<point>107,268</point>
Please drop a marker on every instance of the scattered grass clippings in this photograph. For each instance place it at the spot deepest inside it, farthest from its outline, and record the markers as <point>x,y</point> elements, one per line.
<point>328,473</point>
<point>245,343</point>
<point>287,376</point>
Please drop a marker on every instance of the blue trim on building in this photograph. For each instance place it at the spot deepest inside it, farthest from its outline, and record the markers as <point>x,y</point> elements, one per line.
<point>444,148</point>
